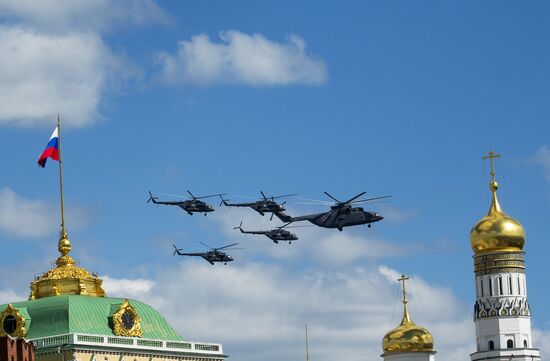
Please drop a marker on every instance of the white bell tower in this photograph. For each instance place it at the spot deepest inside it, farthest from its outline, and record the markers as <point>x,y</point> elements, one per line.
<point>501,313</point>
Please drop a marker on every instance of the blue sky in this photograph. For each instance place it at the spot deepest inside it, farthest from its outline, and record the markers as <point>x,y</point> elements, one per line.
<point>398,98</point>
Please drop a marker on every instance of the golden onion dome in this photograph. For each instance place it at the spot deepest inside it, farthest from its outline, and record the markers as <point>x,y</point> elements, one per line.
<point>407,337</point>
<point>497,231</point>
<point>66,278</point>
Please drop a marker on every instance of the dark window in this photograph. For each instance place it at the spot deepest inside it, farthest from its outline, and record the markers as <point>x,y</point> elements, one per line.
<point>481,284</point>
<point>9,324</point>
<point>525,343</point>
<point>519,286</point>
<point>491,345</point>
<point>510,344</point>
<point>510,285</point>
<point>490,287</point>
<point>500,290</point>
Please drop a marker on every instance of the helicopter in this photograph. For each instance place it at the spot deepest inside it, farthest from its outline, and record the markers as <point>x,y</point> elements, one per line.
<point>211,256</point>
<point>192,205</point>
<point>262,206</point>
<point>276,235</point>
<point>341,214</point>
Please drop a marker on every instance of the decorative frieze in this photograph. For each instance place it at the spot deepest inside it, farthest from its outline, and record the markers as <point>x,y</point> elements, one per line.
<point>499,262</point>
<point>493,307</point>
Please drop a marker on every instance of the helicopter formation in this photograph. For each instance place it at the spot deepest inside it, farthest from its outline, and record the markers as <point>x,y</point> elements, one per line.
<point>340,215</point>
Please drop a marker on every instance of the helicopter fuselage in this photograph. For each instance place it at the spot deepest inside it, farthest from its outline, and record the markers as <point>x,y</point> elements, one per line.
<point>196,206</point>
<point>344,217</point>
<point>217,256</point>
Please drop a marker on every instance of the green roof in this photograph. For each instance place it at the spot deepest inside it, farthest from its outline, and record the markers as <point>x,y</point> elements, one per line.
<point>59,315</point>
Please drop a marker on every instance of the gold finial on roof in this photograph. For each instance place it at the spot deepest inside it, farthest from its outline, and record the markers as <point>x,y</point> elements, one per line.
<point>496,231</point>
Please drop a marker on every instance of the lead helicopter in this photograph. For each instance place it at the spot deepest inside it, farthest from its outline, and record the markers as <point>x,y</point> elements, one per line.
<point>214,255</point>
<point>262,206</point>
<point>192,205</point>
<point>276,234</point>
<point>341,214</point>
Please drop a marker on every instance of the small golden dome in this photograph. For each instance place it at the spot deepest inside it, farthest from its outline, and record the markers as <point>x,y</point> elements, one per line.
<point>66,278</point>
<point>497,231</point>
<point>407,337</point>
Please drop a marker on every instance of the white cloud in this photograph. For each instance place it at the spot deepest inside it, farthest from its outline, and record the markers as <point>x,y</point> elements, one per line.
<point>241,59</point>
<point>7,295</point>
<point>126,288</point>
<point>54,60</point>
<point>258,311</point>
<point>43,75</point>
<point>542,158</point>
<point>82,15</point>
<point>27,218</point>
<point>541,339</point>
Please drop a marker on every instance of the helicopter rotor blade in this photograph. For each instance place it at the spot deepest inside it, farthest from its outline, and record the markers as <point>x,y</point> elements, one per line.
<point>336,200</point>
<point>286,195</point>
<point>207,246</point>
<point>354,198</point>
<point>271,218</point>
<point>211,195</point>
<point>224,247</point>
<point>263,195</point>
<point>302,226</point>
<point>240,226</point>
<point>369,200</point>
<point>174,195</point>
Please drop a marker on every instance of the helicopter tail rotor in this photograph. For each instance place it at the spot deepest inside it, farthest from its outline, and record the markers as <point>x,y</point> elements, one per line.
<point>176,250</point>
<point>240,227</point>
<point>151,198</point>
<point>223,201</point>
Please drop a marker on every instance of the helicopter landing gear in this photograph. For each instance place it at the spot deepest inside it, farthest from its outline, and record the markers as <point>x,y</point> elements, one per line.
<point>369,225</point>
<point>340,228</point>
<point>225,264</point>
<point>205,214</point>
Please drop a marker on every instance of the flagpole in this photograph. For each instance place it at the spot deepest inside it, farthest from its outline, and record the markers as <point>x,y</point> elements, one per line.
<point>307,347</point>
<point>63,230</point>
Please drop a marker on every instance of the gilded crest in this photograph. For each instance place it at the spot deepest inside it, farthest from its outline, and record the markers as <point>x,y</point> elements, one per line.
<point>12,323</point>
<point>126,321</point>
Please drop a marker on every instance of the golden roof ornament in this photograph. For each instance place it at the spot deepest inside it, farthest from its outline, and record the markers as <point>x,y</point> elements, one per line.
<point>66,278</point>
<point>497,231</point>
<point>407,337</point>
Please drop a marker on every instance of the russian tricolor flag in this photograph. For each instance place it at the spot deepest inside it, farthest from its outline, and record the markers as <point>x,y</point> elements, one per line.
<point>52,149</point>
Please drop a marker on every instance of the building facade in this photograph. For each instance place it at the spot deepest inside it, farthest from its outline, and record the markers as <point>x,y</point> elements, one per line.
<point>69,318</point>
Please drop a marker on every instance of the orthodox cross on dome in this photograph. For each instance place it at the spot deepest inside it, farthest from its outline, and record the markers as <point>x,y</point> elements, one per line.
<point>406,317</point>
<point>492,155</point>
<point>403,279</point>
